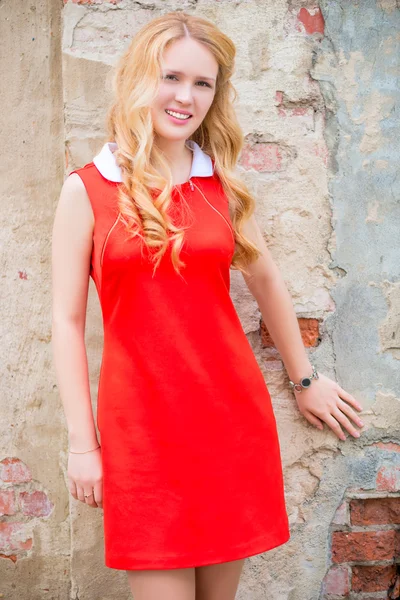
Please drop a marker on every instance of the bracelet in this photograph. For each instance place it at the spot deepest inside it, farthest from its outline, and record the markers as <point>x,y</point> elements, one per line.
<point>85,450</point>
<point>305,382</point>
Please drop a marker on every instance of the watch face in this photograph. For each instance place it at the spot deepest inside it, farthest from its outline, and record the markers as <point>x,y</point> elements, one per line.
<point>306,382</point>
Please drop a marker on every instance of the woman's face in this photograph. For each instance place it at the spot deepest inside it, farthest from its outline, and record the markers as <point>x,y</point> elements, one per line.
<point>187,85</point>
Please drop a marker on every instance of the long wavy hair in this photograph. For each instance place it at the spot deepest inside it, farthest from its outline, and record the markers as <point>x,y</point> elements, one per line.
<point>129,122</point>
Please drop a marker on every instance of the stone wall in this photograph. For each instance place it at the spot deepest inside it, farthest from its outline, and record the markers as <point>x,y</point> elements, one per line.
<point>318,102</point>
<point>34,507</point>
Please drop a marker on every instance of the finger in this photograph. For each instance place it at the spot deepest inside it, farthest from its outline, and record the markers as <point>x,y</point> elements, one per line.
<point>80,493</point>
<point>344,407</point>
<point>98,493</point>
<point>334,425</point>
<point>72,488</point>
<point>349,398</point>
<point>89,498</point>
<point>341,418</point>
<point>313,420</point>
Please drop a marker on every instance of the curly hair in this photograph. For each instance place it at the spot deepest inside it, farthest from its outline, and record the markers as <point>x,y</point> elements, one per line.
<point>129,123</point>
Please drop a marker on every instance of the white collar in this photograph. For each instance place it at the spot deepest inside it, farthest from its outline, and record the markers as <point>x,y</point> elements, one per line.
<point>107,165</point>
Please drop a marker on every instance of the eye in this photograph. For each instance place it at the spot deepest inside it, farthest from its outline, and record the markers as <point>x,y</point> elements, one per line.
<point>205,82</point>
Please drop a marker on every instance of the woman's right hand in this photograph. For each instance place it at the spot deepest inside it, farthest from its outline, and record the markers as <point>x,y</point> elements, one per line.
<point>85,475</point>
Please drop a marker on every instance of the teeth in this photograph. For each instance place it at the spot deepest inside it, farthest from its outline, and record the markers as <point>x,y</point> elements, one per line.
<point>178,115</point>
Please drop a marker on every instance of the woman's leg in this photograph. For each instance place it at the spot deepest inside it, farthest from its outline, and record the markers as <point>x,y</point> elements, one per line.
<point>168,584</point>
<point>218,582</point>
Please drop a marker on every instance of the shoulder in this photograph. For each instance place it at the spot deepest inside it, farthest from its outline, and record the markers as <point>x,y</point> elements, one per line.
<point>83,181</point>
<point>84,172</point>
<point>74,198</point>
<point>74,185</point>
<point>74,182</point>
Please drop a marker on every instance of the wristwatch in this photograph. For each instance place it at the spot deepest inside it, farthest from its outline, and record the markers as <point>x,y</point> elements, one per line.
<point>305,382</point>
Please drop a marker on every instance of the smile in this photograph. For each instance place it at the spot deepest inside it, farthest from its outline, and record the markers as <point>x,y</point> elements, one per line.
<point>178,115</point>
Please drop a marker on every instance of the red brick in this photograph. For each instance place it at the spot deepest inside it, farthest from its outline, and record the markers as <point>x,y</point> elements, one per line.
<point>13,470</point>
<point>266,339</point>
<point>375,511</point>
<point>12,557</point>
<point>35,504</point>
<point>14,537</point>
<point>373,596</point>
<point>390,446</point>
<point>309,330</point>
<point>341,515</point>
<point>273,364</point>
<point>300,110</point>
<point>289,108</point>
<point>365,545</point>
<point>7,502</point>
<point>388,479</point>
<point>297,111</point>
<point>337,581</point>
<point>374,578</point>
<point>395,589</point>
<point>265,157</point>
<point>312,20</point>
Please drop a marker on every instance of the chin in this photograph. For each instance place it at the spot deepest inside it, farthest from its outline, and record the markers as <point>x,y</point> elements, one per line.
<point>167,135</point>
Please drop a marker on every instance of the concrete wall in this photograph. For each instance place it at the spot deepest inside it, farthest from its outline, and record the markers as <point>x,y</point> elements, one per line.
<point>34,504</point>
<point>319,105</point>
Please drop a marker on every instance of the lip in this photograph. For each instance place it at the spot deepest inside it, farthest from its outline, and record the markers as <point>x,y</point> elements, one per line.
<point>178,110</point>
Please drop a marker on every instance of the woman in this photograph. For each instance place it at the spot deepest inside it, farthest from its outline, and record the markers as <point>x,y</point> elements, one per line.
<point>189,461</point>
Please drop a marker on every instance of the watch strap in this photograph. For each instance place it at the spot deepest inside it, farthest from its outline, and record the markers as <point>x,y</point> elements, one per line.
<point>305,382</point>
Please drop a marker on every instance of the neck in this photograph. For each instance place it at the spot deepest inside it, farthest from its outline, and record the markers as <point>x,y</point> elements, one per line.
<point>175,152</point>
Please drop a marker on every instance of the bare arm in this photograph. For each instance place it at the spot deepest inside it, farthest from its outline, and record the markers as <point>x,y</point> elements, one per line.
<point>267,285</point>
<point>325,400</point>
<point>71,251</point>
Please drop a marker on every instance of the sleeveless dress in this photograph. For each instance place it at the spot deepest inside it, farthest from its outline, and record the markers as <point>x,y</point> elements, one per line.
<point>192,471</point>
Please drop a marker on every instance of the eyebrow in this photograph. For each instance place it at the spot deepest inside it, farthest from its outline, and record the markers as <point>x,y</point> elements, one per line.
<point>180,73</point>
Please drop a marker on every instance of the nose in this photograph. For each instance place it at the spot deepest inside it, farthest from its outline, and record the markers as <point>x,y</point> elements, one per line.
<point>183,93</point>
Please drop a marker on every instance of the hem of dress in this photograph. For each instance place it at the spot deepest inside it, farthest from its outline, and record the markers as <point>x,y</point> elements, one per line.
<point>179,561</point>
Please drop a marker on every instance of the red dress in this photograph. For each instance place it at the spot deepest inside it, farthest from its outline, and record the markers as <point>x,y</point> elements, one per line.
<point>192,471</point>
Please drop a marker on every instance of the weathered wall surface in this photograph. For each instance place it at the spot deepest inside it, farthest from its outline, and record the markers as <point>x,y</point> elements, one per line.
<point>319,105</point>
<point>34,505</point>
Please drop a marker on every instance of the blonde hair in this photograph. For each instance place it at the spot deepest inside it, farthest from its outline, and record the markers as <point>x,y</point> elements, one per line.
<point>129,123</point>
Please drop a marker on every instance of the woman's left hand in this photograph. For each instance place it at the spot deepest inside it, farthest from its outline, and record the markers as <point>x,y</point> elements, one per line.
<point>325,401</point>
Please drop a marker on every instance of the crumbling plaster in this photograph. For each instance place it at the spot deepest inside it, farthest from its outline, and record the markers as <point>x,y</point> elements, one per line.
<point>329,209</point>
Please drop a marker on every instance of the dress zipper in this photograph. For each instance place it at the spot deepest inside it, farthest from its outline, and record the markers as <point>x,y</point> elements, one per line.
<point>191,185</point>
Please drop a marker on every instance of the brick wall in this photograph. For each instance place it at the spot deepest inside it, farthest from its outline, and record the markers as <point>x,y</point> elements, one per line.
<point>20,505</point>
<point>318,86</point>
<point>365,543</point>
